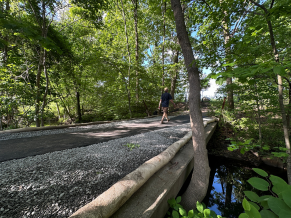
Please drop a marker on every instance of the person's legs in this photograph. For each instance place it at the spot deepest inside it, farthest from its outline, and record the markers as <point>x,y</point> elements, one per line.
<point>163,117</point>
<point>166,115</point>
<point>165,110</point>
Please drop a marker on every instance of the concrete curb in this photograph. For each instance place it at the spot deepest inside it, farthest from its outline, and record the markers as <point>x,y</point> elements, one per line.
<point>112,199</point>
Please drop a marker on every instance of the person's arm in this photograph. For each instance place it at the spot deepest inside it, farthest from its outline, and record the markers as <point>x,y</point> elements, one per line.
<point>160,103</point>
<point>172,102</point>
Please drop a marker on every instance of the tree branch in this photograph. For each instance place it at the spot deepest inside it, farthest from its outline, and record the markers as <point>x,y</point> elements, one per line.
<point>272,3</point>
<point>212,10</point>
<point>261,6</point>
<point>34,13</point>
<point>239,21</point>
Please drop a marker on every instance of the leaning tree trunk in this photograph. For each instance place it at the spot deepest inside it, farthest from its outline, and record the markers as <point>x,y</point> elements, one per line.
<point>200,178</point>
<point>280,89</point>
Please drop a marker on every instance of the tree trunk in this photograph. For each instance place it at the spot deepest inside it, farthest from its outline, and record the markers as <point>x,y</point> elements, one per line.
<point>289,107</point>
<point>228,190</point>
<point>135,2</point>
<point>59,114</point>
<point>37,102</point>
<point>230,102</point>
<point>226,36</point>
<point>46,88</point>
<point>174,77</point>
<point>79,115</point>
<point>67,110</point>
<point>129,60</point>
<point>259,115</point>
<point>200,178</point>
<point>5,50</point>
<point>163,48</point>
<point>44,35</point>
<point>281,103</point>
<point>285,127</point>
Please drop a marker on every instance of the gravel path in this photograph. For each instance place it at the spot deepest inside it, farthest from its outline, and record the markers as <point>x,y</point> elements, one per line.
<point>57,184</point>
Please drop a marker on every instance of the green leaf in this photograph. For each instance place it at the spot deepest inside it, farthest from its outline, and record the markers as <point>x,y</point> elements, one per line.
<point>252,196</point>
<point>277,205</point>
<point>171,202</point>
<point>212,213</point>
<point>190,213</point>
<point>279,70</point>
<point>199,207</point>
<point>264,198</point>
<point>284,214</point>
<point>243,215</point>
<point>265,205</point>
<point>255,205</point>
<point>246,205</point>
<point>260,172</point>
<point>277,180</point>
<point>178,199</point>
<point>206,212</point>
<point>279,185</point>
<point>182,212</point>
<point>253,212</point>
<point>177,206</point>
<point>287,197</point>
<point>268,214</point>
<point>259,183</point>
<point>175,214</point>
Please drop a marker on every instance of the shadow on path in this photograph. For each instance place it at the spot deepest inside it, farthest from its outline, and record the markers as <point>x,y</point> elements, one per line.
<point>24,147</point>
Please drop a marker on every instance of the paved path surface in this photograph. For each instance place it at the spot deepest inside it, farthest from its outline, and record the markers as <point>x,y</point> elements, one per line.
<point>24,147</point>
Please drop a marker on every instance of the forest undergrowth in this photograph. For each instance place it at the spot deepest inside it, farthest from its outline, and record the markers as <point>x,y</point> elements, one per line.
<point>243,136</point>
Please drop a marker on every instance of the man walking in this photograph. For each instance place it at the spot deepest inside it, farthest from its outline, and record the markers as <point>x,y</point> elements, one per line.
<point>166,97</point>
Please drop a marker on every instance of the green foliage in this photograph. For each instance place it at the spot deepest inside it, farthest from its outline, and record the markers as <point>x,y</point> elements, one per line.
<point>278,204</point>
<point>178,211</point>
<point>243,146</point>
<point>132,146</point>
<point>247,145</point>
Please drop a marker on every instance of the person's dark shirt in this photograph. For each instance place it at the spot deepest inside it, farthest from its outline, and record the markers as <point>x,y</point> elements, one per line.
<point>166,97</point>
